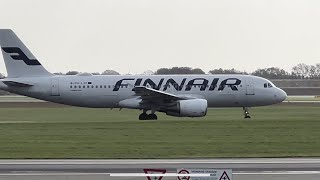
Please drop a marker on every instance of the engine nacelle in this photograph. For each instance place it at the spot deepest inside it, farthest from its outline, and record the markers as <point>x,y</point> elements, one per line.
<point>188,108</point>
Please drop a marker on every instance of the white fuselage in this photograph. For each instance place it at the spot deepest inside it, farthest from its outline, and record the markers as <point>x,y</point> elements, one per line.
<point>108,91</point>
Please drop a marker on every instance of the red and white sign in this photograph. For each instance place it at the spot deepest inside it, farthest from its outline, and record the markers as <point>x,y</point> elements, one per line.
<point>154,171</point>
<point>183,171</point>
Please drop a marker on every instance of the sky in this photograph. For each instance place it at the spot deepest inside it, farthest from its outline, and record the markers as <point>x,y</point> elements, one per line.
<point>132,36</point>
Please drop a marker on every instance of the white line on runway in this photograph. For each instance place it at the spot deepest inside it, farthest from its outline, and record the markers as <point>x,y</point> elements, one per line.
<point>52,174</point>
<point>277,173</point>
<point>162,161</point>
<point>167,174</point>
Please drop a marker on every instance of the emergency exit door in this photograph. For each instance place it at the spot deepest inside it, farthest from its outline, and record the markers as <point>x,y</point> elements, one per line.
<point>249,87</point>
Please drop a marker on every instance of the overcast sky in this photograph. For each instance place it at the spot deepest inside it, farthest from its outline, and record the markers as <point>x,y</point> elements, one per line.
<point>132,36</point>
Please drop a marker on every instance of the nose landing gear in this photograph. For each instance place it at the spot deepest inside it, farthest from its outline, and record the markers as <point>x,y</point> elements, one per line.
<point>246,112</point>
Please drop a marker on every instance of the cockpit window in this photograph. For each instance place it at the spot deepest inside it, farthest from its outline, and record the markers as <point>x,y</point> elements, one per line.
<point>267,85</point>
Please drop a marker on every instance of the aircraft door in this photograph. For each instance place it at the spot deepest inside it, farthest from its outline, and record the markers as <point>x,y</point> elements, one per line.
<point>249,87</point>
<point>55,87</point>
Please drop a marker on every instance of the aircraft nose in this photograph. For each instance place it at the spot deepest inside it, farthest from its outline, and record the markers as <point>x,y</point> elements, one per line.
<point>282,95</point>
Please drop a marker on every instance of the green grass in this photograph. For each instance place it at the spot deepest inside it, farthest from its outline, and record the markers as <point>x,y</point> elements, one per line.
<point>275,131</point>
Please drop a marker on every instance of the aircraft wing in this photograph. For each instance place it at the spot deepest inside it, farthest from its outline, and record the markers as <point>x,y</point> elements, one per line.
<point>155,95</point>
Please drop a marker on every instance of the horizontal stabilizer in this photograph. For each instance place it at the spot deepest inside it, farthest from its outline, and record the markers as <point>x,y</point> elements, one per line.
<point>17,84</point>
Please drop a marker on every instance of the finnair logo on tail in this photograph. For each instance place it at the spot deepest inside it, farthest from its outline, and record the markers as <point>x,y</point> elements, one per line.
<point>17,54</point>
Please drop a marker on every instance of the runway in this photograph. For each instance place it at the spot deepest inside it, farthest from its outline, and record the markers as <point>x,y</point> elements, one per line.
<point>243,169</point>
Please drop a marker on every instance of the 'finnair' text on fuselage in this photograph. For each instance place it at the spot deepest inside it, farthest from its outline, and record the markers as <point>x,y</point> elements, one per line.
<point>201,82</point>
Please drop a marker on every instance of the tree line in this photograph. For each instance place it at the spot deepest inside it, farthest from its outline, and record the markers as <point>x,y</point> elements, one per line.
<point>300,71</point>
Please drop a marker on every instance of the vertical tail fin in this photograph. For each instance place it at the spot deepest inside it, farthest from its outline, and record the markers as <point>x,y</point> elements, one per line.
<point>18,59</point>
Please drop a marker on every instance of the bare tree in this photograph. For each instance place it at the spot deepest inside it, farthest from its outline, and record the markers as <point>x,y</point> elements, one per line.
<point>179,70</point>
<point>301,70</point>
<point>72,73</point>
<point>58,73</point>
<point>148,72</point>
<point>226,71</point>
<point>272,73</point>
<point>317,71</point>
<point>110,72</point>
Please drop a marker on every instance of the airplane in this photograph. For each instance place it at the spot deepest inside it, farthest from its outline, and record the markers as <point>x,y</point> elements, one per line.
<point>175,95</point>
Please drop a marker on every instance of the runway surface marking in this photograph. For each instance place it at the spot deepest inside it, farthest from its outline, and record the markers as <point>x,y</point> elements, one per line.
<point>167,174</point>
<point>162,161</point>
<point>277,173</point>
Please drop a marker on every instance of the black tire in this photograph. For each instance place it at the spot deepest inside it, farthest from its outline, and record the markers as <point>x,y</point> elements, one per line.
<point>153,117</point>
<point>143,116</point>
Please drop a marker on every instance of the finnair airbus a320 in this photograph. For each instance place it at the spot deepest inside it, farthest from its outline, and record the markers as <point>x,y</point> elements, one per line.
<point>175,95</point>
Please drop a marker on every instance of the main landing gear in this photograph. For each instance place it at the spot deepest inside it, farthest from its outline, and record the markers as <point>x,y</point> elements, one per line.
<point>246,112</point>
<point>145,116</point>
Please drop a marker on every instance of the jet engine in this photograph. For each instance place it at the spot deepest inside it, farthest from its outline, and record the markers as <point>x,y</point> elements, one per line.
<point>188,108</point>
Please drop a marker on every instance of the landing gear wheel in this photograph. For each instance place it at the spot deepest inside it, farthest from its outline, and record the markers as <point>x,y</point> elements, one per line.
<point>246,112</point>
<point>153,117</point>
<point>143,116</point>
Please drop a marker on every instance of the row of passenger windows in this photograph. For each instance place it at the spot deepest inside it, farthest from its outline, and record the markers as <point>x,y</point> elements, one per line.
<point>126,86</point>
<point>92,86</point>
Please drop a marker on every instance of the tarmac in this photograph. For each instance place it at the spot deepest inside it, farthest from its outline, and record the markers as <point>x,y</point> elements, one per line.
<point>243,169</point>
